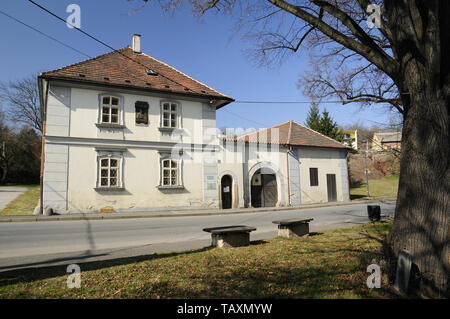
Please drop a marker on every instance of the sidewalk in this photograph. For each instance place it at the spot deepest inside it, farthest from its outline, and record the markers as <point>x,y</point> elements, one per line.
<point>178,213</point>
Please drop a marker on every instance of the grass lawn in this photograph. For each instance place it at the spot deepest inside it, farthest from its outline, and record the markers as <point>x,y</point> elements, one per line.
<point>25,203</point>
<point>331,264</point>
<point>379,188</point>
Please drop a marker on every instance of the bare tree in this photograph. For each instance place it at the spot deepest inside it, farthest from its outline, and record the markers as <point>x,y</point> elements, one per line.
<point>6,152</point>
<point>403,62</point>
<point>21,99</point>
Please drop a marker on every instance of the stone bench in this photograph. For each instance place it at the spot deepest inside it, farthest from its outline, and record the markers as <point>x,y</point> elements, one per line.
<point>230,236</point>
<point>293,227</point>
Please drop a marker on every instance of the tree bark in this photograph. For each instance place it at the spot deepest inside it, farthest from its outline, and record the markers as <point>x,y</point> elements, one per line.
<point>422,215</point>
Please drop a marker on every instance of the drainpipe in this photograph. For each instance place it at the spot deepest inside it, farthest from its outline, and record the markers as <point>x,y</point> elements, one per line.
<point>288,181</point>
<point>43,116</point>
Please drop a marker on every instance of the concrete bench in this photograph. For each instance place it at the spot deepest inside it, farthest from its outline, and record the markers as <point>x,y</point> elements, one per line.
<point>293,227</point>
<point>230,236</point>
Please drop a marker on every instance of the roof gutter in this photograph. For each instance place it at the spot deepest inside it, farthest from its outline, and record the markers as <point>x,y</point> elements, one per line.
<point>215,100</point>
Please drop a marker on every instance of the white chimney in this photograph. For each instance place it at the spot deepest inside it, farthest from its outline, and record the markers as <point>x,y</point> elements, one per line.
<point>136,45</point>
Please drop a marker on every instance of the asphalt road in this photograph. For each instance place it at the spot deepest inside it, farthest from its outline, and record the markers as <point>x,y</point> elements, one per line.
<point>8,194</point>
<point>35,244</point>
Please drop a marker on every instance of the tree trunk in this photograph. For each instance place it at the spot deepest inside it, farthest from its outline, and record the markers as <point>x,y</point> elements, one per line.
<point>422,213</point>
<point>4,173</point>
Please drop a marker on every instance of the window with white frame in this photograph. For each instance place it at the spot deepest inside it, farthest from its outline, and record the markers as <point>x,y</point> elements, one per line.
<point>109,172</point>
<point>110,110</point>
<point>169,114</point>
<point>170,172</point>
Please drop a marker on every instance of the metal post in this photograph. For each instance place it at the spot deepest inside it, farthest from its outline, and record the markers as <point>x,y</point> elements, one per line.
<point>366,169</point>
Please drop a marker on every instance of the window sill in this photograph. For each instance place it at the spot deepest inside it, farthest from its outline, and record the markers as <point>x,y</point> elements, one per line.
<point>167,129</point>
<point>109,125</point>
<point>170,187</point>
<point>109,189</point>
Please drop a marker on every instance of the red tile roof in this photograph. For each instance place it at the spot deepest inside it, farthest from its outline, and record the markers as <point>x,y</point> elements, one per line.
<point>290,133</point>
<point>127,69</point>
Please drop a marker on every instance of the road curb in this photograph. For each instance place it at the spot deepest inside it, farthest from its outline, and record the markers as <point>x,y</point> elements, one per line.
<point>179,213</point>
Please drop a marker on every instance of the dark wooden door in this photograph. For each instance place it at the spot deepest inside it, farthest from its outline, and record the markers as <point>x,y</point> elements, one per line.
<point>226,184</point>
<point>331,187</point>
<point>269,196</point>
<point>256,192</point>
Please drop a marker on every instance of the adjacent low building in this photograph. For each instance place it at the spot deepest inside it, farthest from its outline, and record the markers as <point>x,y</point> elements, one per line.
<point>285,165</point>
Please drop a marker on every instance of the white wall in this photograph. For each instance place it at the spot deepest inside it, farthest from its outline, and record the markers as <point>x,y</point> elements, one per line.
<point>70,174</point>
<point>84,115</point>
<point>327,161</point>
<point>141,178</point>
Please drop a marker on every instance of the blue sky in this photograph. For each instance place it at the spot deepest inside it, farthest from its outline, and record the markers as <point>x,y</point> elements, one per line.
<point>207,49</point>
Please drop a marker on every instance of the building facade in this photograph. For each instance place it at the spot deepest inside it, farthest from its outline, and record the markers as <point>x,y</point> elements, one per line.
<point>351,138</point>
<point>383,141</point>
<point>284,165</point>
<point>125,131</point>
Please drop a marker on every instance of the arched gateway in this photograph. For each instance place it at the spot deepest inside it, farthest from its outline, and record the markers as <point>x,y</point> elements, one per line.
<point>264,188</point>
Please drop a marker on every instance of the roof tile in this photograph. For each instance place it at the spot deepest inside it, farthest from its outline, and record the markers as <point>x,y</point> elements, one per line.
<point>290,133</point>
<point>126,68</point>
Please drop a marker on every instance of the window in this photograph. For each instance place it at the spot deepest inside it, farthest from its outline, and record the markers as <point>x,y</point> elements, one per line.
<point>313,177</point>
<point>141,112</point>
<point>110,110</point>
<point>110,172</point>
<point>170,173</point>
<point>169,115</point>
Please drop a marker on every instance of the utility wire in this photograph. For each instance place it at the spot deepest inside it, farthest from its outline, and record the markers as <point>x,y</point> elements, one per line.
<point>44,34</point>
<point>85,33</point>
<point>117,51</point>
<point>289,102</point>
<point>98,40</point>
<point>244,118</point>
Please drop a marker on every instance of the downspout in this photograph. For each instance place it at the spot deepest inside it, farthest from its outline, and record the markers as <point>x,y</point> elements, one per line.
<point>288,180</point>
<point>43,117</point>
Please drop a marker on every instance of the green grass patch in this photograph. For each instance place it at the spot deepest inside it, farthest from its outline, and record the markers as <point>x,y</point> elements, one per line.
<point>25,203</point>
<point>331,264</point>
<point>386,187</point>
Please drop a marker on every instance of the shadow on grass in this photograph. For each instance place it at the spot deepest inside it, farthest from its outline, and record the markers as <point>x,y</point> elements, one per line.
<point>357,184</point>
<point>353,196</point>
<point>258,242</point>
<point>315,234</point>
<point>316,281</point>
<point>295,271</point>
<point>32,274</point>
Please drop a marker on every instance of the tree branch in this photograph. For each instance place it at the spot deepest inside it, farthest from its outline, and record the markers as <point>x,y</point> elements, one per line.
<point>367,48</point>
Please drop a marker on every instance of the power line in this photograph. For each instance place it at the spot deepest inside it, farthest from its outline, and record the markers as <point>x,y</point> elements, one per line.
<point>63,20</point>
<point>98,40</point>
<point>243,118</point>
<point>44,34</point>
<point>139,63</point>
<point>289,102</point>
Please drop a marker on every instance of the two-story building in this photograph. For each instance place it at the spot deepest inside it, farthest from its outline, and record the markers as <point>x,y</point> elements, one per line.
<point>124,131</point>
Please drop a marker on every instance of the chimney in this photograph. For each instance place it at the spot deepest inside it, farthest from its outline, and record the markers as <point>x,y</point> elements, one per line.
<point>136,45</point>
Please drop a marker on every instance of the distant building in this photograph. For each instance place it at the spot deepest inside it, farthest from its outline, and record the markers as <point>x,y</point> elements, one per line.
<point>351,138</point>
<point>386,140</point>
